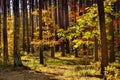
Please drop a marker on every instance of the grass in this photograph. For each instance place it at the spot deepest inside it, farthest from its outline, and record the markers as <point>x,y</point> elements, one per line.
<point>65,68</point>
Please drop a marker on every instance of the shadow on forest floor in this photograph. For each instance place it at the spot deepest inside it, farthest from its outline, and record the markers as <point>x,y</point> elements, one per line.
<point>58,68</point>
<point>8,73</point>
<point>97,76</point>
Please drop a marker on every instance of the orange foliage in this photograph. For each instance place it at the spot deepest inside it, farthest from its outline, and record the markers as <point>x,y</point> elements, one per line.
<point>117,40</point>
<point>116,22</point>
<point>35,13</point>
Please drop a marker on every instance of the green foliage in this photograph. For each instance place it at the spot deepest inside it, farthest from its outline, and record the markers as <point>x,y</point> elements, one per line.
<point>84,30</point>
<point>86,27</point>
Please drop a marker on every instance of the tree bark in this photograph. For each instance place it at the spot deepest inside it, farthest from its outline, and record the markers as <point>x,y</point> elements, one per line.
<point>61,23</point>
<point>103,39</point>
<point>8,8</point>
<point>17,57</point>
<point>32,25</point>
<point>56,22</point>
<point>0,37</point>
<point>66,24</point>
<point>51,29</point>
<point>5,38</point>
<point>40,31</point>
<point>27,28</point>
<point>111,33</point>
<point>23,27</point>
<point>52,52</point>
<point>96,48</point>
<point>76,53</point>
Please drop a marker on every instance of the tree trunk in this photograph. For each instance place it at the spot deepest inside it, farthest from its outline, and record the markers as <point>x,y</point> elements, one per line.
<point>63,49</point>
<point>51,29</point>
<point>66,24</point>
<point>104,48</point>
<point>96,48</point>
<point>0,37</point>
<point>52,52</point>
<point>32,25</point>
<point>76,53</point>
<point>45,5</point>
<point>56,22</point>
<point>111,33</point>
<point>40,31</point>
<point>63,27</point>
<point>27,29</point>
<point>5,38</point>
<point>23,25</point>
<point>17,57</point>
<point>61,23</point>
<point>8,8</point>
<point>36,7</point>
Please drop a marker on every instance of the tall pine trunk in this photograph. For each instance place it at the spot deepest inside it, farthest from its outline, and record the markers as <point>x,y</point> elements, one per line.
<point>5,38</point>
<point>96,48</point>
<point>51,29</point>
<point>0,37</point>
<point>111,33</point>
<point>66,24</point>
<point>40,31</point>
<point>23,27</point>
<point>103,39</point>
<point>8,8</point>
<point>27,28</point>
<point>56,22</point>
<point>32,24</point>
<point>17,57</point>
<point>61,24</point>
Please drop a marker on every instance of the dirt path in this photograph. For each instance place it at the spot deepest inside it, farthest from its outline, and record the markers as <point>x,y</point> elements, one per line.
<point>52,73</point>
<point>8,74</point>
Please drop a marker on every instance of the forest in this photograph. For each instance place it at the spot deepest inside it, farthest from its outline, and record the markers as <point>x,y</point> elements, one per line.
<point>59,39</point>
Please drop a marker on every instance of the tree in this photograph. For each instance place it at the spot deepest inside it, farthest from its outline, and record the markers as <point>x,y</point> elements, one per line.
<point>111,33</point>
<point>56,22</point>
<point>0,28</point>
<point>45,4</point>
<point>66,24</point>
<point>96,48</point>
<point>0,36</point>
<point>23,27</point>
<point>36,7</point>
<point>8,7</point>
<point>5,38</point>
<point>51,29</point>
<point>40,31</point>
<point>16,52</point>
<point>61,24</point>
<point>32,24</point>
<point>103,39</point>
<point>26,25</point>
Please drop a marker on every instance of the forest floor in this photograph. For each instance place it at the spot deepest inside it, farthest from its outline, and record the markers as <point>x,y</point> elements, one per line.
<point>59,68</point>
